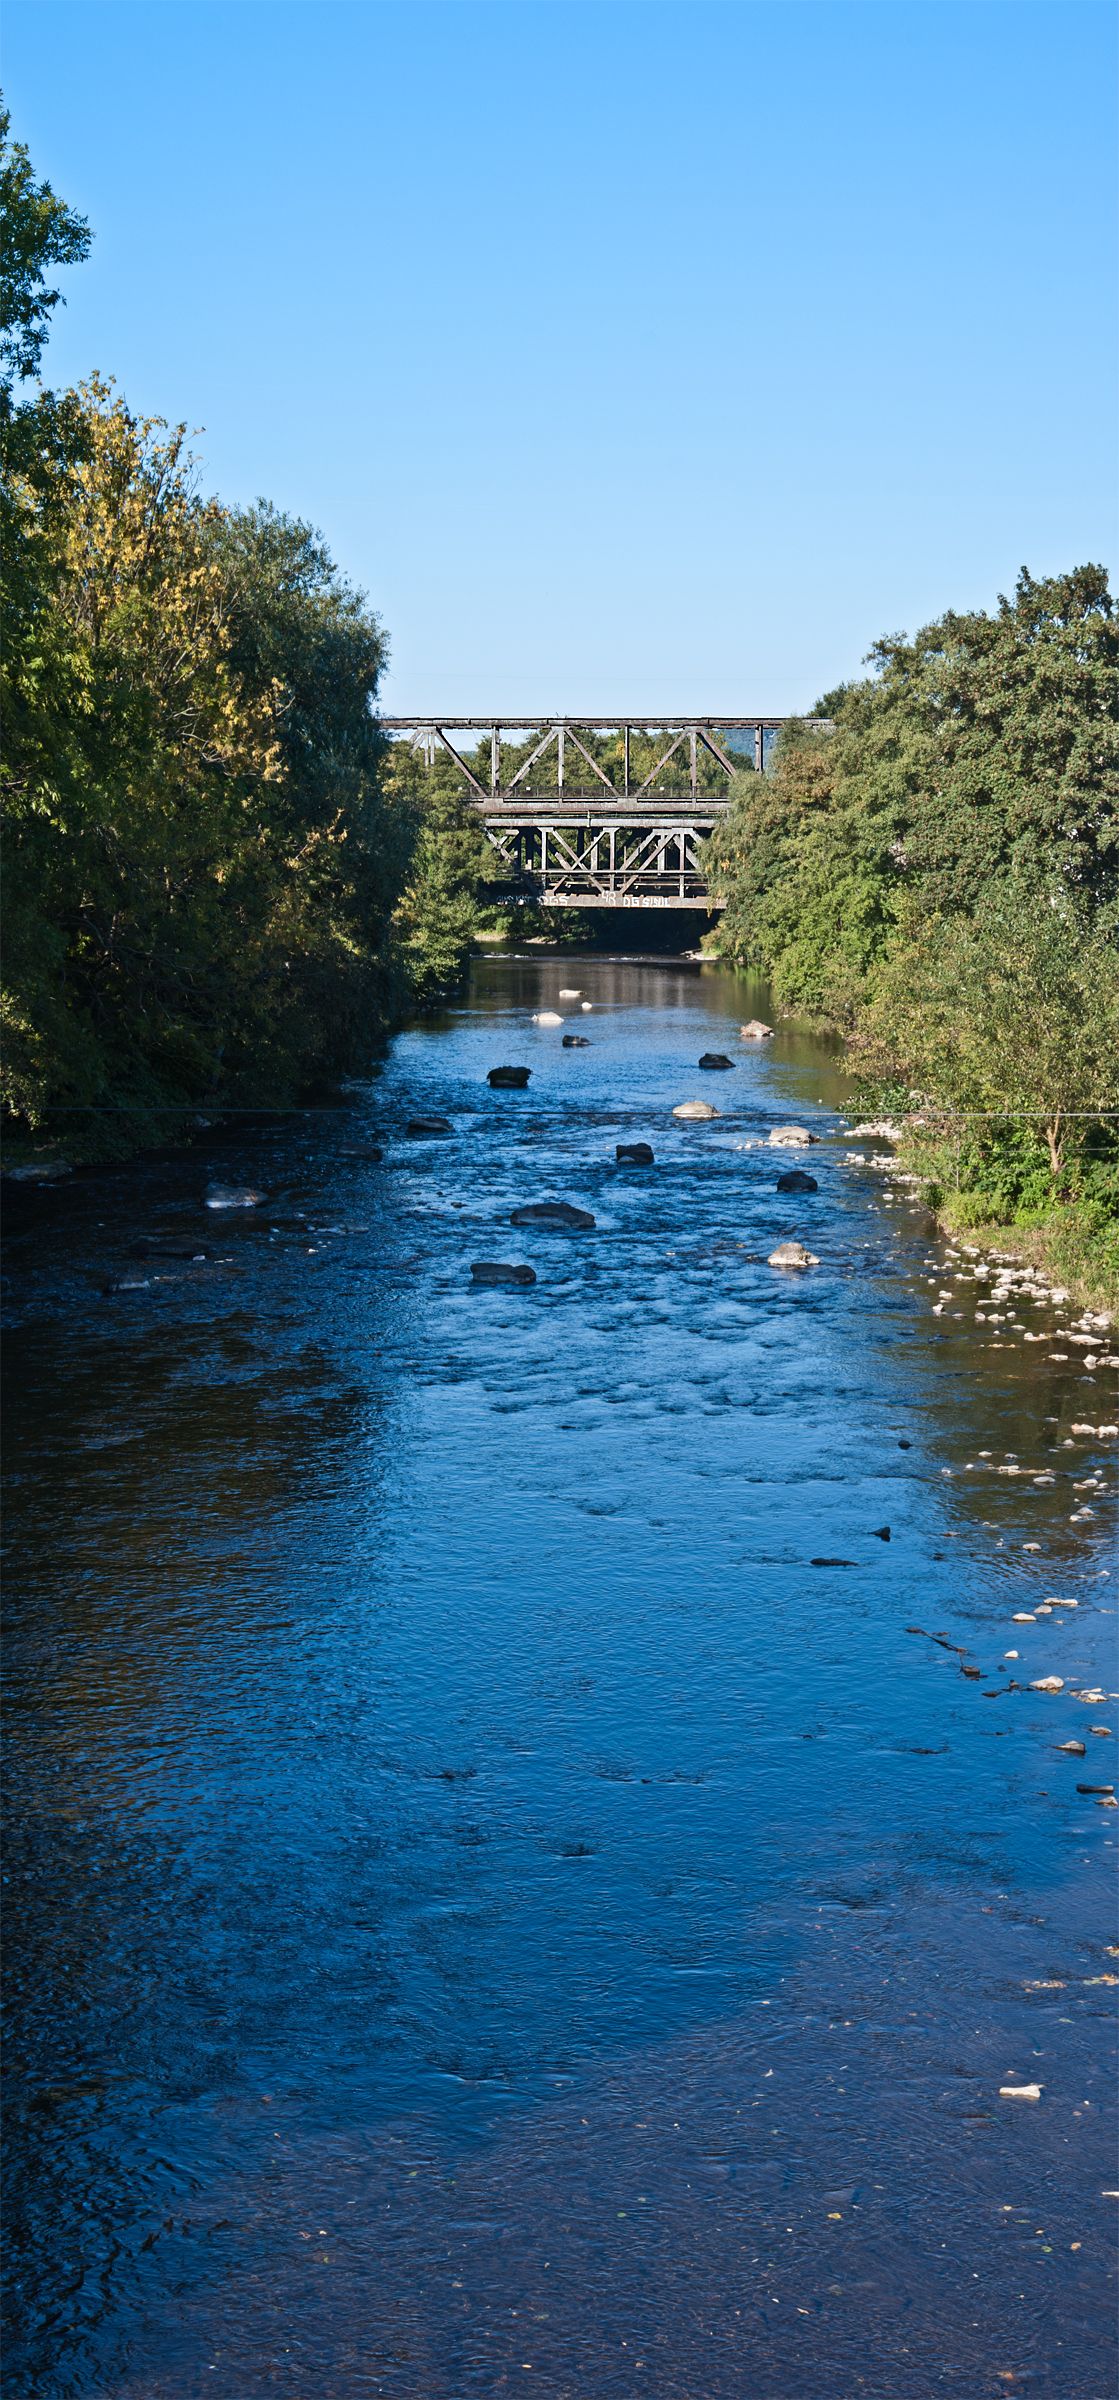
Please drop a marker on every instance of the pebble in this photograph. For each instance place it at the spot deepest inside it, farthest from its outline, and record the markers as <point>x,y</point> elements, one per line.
<point>228,1195</point>
<point>558,1213</point>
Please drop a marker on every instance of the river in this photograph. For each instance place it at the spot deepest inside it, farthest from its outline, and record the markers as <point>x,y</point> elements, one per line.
<point>486,1907</point>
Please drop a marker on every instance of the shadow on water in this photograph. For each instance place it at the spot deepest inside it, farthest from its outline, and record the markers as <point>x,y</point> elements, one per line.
<point>483,1897</point>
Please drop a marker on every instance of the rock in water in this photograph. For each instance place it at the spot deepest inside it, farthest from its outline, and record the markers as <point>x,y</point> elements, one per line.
<point>693,1110</point>
<point>755,1031</point>
<point>575,1041</point>
<point>797,1181</point>
<point>547,1016</point>
<point>634,1154</point>
<point>491,1270</point>
<point>508,1079</point>
<point>558,1213</point>
<point>715,1058</point>
<point>568,992</point>
<point>792,1254</point>
<point>231,1195</point>
<point>791,1137</point>
<point>427,1128</point>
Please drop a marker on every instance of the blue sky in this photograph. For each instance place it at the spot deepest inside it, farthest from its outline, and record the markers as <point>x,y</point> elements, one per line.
<point>628,355</point>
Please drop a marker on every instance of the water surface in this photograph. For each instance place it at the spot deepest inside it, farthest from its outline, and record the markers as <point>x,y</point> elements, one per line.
<point>483,1903</point>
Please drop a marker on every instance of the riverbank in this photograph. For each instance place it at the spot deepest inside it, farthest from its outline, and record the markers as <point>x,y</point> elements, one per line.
<point>1075,1245</point>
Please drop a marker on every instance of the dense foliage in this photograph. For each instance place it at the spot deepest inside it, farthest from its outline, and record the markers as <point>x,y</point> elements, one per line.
<point>939,876</point>
<point>204,856</point>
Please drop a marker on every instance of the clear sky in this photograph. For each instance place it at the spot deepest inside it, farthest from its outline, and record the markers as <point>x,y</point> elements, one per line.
<point>631,354</point>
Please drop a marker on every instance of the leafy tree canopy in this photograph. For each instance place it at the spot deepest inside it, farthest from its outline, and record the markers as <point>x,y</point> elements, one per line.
<point>37,233</point>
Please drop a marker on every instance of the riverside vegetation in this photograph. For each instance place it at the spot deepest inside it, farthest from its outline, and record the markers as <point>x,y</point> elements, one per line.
<point>220,888</point>
<point>938,878</point>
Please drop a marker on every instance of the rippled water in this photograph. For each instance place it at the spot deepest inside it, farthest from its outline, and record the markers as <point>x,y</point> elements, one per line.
<point>482,1903</point>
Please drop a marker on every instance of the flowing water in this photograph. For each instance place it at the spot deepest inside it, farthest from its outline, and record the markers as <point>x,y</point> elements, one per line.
<point>487,1907</point>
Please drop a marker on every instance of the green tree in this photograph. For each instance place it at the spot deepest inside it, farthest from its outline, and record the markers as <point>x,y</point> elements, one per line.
<point>1010,1013</point>
<point>37,233</point>
<point>438,914</point>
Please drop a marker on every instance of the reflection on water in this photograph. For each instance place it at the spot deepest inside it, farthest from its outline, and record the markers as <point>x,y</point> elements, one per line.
<point>481,1901</point>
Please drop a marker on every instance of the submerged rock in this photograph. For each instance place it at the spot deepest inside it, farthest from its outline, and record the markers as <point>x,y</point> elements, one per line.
<point>47,1170</point>
<point>634,1154</point>
<point>715,1058</point>
<point>791,1137</point>
<point>427,1128</point>
<point>755,1031</point>
<point>792,1254</point>
<point>559,1213</point>
<point>575,1041</point>
<point>491,1270</point>
<point>508,1079</point>
<point>797,1181</point>
<point>232,1195</point>
<point>693,1110</point>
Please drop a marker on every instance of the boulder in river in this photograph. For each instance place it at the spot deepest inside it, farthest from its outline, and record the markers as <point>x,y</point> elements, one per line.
<point>797,1181</point>
<point>791,1137</point>
<point>715,1058</point>
<point>424,1129</point>
<point>693,1110</point>
<point>47,1170</point>
<point>792,1254</point>
<point>500,1270</point>
<point>576,1041</point>
<point>570,992</point>
<point>232,1195</point>
<point>547,1016</point>
<point>508,1079</point>
<point>634,1154</point>
<point>557,1213</point>
<point>755,1031</point>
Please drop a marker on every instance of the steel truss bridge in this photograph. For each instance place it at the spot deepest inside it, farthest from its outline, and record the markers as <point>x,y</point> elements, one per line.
<point>567,831</point>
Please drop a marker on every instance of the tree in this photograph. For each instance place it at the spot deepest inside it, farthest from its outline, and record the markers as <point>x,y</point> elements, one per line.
<point>37,232</point>
<point>437,918</point>
<point>1008,1017</point>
